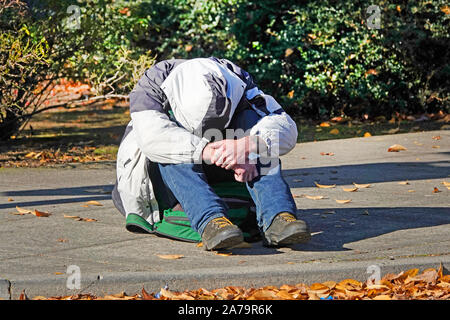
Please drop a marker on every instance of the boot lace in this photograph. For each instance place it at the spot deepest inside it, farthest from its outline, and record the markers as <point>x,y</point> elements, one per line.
<point>287,217</point>
<point>222,222</point>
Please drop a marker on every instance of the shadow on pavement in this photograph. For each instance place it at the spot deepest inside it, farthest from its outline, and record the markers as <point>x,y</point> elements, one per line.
<point>371,172</point>
<point>334,231</point>
<point>99,192</point>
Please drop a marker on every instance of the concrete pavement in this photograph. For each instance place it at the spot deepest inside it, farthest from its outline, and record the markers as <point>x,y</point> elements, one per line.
<point>397,223</point>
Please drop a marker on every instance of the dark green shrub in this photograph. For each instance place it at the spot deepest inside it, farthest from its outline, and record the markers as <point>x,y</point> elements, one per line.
<point>43,41</point>
<point>320,58</point>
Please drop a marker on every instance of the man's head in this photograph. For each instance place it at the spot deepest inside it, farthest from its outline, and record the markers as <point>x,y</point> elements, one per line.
<point>203,94</point>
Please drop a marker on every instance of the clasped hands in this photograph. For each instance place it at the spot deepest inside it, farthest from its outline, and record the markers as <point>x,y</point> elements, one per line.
<point>233,155</point>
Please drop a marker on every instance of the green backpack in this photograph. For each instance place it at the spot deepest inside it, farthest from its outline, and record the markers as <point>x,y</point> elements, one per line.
<point>175,224</point>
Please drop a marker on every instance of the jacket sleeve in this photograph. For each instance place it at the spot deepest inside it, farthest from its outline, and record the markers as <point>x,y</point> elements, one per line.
<point>276,128</point>
<point>159,138</point>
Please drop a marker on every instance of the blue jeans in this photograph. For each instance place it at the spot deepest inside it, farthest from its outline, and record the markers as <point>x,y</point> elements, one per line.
<point>189,184</point>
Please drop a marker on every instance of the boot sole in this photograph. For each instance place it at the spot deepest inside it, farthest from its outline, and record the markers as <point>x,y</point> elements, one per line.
<point>224,241</point>
<point>295,238</point>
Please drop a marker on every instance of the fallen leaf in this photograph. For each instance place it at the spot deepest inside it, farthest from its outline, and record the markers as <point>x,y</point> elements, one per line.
<point>223,254</point>
<point>436,137</point>
<point>445,183</point>
<point>382,297</point>
<point>23,211</point>
<point>72,217</point>
<point>396,148</point>
<point>146,295</point>
<point>10,199</point>
<point>23,296</point>
<point>337,119</point>
<point>324,186</point>
<point>350,189</point>
<point>41,213</point>
<point>327,154</point>
<point>367,134</point>
<point>361,186</point>
<point>436,190</point>
<point>325,124</point>
<point>62,240</point>
<point>435,147</point>
<point>314,197</point>
<point>334,131</point>
<point>343,201</point>
<point>93,203</point>
<point>59,273</point>
<point>170,256</point>
<point>404,182</point>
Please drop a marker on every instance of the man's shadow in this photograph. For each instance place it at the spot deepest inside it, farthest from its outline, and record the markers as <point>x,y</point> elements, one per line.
<point>334,228</point>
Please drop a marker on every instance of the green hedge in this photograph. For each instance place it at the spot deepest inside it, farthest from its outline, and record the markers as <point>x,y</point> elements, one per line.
<point>318,58</point>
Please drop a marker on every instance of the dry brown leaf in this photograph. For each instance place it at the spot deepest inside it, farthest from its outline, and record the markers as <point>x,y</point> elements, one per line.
<point>314,197</point>
<point>382,297</point>
<point>324,186</point>
<point>93,203</point>
<point>263,294</point>
<point>396,148</point>
<point>343,201</point>
<point>436,190</point>
<point>199,245</point>
<point>41,213</point>
<point>10,199</point>
<point>170,256</point>
<point>146,295</point>
<point>72,217</point>
<point>350,189</point>
<point>23,296</point>
<point>23,211</point>
<point>334,131</point>
<point>361,186</point>
<point>327,154</point>
<point>404,182</point>
<point>283,294</point>
<point>224,254</point>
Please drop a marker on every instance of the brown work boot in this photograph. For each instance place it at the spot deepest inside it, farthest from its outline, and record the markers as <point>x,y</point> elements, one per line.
<point>220,233</point>
<point>286,229</point>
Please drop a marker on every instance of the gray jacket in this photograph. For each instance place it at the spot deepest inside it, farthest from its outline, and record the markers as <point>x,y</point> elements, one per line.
<point>172,106</point>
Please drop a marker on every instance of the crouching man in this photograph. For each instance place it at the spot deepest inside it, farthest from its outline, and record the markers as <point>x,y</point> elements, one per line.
<point>196,122</point>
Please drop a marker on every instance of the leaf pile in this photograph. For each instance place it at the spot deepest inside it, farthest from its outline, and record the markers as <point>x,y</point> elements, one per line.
<point>407,285</point>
